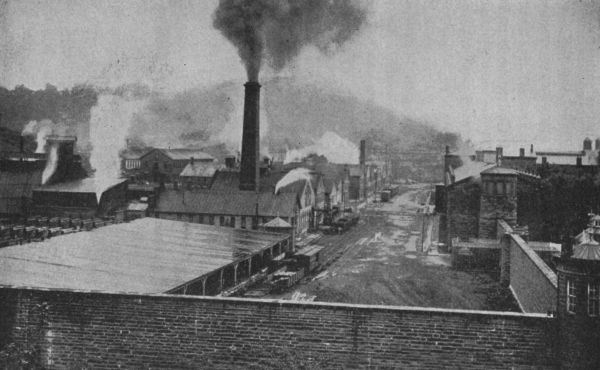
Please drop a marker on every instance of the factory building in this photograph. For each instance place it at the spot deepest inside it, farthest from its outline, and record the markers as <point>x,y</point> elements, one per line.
<point>143,256</point>
<point>83,198</point>
<point>21,173</point>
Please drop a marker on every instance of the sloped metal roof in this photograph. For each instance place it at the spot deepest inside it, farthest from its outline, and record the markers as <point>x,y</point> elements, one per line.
<point>87,185</point>
<point>147,255</point>
<point>240,203</point>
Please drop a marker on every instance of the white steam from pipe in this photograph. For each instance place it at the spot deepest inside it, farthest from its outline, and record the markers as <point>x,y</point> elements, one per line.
<point>110,121</point>
<point>40,130</point>
<point>291,177</point>
<point>51,163</point>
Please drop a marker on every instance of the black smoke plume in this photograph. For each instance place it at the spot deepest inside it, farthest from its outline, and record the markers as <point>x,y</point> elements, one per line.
<point>277,30</point>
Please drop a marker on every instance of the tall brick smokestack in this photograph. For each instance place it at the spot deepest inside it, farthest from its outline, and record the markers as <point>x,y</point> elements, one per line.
<point>249,169</point>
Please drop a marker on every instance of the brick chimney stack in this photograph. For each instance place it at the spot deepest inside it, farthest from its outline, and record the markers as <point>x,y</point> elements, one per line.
<point>249,169</point>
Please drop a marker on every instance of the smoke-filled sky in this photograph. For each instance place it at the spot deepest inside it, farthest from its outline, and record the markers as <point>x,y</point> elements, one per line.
<point>497,71</point>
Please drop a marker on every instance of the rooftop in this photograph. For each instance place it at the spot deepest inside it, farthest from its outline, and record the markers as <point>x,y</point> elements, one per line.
<point>186,154</point>
<point>235,203</point>
<point>200,169</point>
<point>589,250</point>
<point>495,170</point>
<point>87,185</point>
<point>147,255</point>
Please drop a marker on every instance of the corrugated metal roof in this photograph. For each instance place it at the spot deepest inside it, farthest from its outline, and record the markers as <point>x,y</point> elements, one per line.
<point>200,169</point>
<point>227,203</point>
<point>144,256</point>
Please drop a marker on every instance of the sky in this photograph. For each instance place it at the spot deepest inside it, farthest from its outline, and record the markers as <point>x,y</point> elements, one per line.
<point>498,72</point>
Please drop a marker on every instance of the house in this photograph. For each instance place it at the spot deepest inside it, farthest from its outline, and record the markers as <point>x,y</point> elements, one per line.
<point>131,162</point>
<point>165,165</point>
<point>198,175</point>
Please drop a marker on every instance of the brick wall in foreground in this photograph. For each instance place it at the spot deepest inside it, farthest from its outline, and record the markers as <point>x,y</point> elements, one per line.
<point>98,330</point>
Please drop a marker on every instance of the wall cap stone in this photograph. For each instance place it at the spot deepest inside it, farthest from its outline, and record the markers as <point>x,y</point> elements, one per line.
<point>298,304</point>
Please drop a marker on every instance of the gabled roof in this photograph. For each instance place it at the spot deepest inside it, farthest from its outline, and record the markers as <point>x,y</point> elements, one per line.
<point>227,203</point>
<point>132,154</point>
<point>329,184</point>
<point>277,222</point>
<point>200,169</point>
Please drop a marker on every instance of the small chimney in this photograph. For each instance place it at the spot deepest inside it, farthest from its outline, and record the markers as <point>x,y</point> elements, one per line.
<point>579,162</point>
<point>192,161</point>
<point>230,161</point>
<point>499,155</point>
<point>531,149</point>
<point>447,149</point>
<point>362,156</point>
<point>522,152</point>
<point>566,248</point>
<point>250,168</point>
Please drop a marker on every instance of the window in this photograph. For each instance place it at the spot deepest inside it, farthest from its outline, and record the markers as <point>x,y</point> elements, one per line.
<point>232,222</point>
<point>243,221</point>
<point>509,188</point>
<point>221,220</point>
<point>499,188</point>
<point>593,299</point>
<point>211,219</point>
<point>571,296</point>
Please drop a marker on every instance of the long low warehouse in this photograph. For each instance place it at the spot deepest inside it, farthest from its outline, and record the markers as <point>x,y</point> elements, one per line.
<point>143,256</point>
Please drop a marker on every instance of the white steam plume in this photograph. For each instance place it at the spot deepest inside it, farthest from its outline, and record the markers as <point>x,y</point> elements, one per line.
<point>297,174</point>
<point>39,129</point>
<point>335,148</point>
<point>109,125</point>
<point>51,163</point>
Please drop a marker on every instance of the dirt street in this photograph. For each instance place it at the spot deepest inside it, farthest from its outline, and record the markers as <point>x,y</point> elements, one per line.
<point>380,263</point>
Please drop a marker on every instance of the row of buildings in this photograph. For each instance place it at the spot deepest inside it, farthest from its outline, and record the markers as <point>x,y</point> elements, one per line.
<point>186,184</point>
<point>489,216</point>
